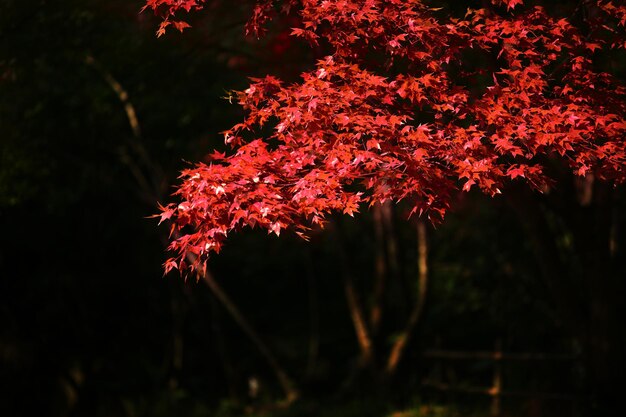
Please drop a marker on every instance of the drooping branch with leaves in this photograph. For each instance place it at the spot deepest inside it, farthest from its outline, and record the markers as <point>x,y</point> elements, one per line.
<point>410,103</point>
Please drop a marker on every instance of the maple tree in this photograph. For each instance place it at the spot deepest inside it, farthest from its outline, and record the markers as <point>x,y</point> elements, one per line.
<point>410,102</point>
<point>395,113</point>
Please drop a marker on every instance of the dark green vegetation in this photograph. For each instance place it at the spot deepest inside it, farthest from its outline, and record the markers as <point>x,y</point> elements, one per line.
<point>88,327</point>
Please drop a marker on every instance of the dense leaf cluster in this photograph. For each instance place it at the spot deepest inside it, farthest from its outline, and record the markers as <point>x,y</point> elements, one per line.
<point>399,109</point>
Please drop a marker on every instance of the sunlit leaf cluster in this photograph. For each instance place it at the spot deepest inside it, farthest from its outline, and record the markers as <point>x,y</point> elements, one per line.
<point>410,103</point>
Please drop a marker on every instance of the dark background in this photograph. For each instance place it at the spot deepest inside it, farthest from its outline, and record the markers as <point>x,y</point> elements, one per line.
<point>89,326</point>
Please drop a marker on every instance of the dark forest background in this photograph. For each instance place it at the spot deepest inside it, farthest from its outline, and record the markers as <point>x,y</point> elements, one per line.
<point>89,326</point>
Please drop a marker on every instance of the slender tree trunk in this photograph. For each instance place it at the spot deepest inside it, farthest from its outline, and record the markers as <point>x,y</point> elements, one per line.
<point>391,241</point>
<point>152,189</point>
<point>286,383</point>
<point>152,184</point>
<point>357,315</point>
<point>399,347</point>
<point>358,320</point>
<point>376,311</point>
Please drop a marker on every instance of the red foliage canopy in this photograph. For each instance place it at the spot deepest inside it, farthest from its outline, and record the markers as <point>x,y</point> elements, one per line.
<point>412,104</point>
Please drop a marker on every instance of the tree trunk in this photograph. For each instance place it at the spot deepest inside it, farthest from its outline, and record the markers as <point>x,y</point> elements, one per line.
<point>151,187</point>
<point>399,347</point>
<point>380,279</point>
<point>358,320</point>
<point>291,393</point>
<point>357,313</point>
